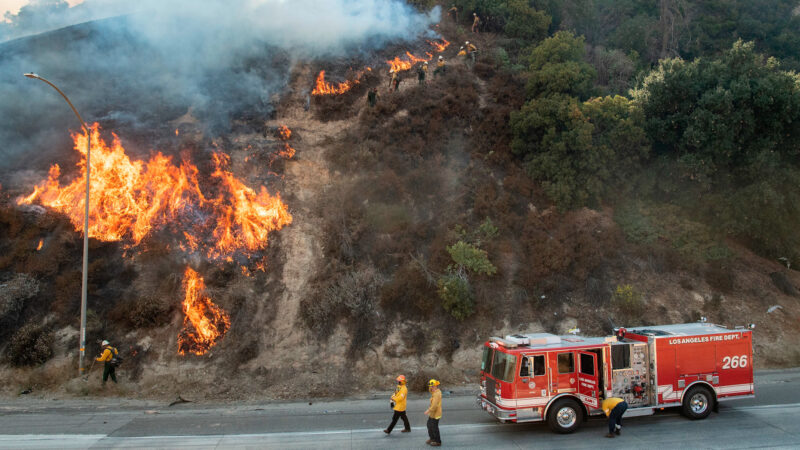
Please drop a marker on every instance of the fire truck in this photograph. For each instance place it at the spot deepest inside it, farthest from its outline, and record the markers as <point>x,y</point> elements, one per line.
<point>563,379</point>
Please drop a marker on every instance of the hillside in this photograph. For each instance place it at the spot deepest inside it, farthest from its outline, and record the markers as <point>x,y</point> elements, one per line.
<point>518,193</point>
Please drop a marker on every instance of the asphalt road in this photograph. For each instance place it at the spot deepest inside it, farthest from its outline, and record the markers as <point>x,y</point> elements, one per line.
<point>771,420</point>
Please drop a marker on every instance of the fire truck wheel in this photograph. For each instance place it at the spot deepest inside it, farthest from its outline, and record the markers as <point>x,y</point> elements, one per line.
<point>565,416</point>
<point>697,403</point>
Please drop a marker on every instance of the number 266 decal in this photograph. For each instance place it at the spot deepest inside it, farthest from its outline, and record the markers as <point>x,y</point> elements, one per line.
<point>734,362</point>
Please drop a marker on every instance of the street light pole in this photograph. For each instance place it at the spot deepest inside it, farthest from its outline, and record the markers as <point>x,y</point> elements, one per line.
<point>84,279</point>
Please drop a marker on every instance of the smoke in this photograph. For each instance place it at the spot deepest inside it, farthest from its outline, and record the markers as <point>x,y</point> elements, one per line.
<point>136,66</point>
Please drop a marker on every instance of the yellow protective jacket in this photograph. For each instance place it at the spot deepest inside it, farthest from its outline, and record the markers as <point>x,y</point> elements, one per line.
<point>472,48</point>
<point>440,63</point>
<point>399,397</point>
<point>462,53</point>
<point>108,353</point>
<point>435,410</point>
<point>610,403</point>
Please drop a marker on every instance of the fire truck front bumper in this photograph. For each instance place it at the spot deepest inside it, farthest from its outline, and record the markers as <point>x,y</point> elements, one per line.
<point>500,413</point>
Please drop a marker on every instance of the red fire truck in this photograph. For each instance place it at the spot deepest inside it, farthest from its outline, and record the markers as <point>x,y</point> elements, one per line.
<point>564,379</point>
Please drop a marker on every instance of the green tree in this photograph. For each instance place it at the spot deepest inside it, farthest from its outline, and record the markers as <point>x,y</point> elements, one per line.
<point>727,128</point>
<point>557,66</point>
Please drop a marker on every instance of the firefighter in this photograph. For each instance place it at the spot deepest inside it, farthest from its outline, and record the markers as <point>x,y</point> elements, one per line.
<point>440,67</point>
<point>422,72</point>
<point>462,52</point>
<point>614,407</point>
<point>109,367</point>
<point>398,404</point>
<point>453,11</point>
<point>471,50</point>
<point>434,413</point>
<point>372,97</point>
<point>475,22</point>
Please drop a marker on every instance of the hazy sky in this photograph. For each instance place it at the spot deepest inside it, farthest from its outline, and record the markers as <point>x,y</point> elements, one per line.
<point>14,5</point>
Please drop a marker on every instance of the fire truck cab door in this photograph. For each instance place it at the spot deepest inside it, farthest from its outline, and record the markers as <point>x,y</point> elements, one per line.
<point>532,381</point>
<point>588,390</point>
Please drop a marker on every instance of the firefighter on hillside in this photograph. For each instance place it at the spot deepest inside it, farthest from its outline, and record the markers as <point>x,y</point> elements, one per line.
<point>399,405</point>
<point>109,368</point>
<point>434,413</point>
<point>440,67</point>
<point>471,50</point>
<point>372,97</point>
<point>422,72</point>
<point>462,53</point>
<point>614,408</point>
<point>475,22</point>
<point>453,11</point>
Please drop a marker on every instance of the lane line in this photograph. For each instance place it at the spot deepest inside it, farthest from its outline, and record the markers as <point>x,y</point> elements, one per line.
<point>290,434</point>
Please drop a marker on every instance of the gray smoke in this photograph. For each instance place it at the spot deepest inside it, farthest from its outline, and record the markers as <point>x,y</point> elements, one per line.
<point>136,67</point>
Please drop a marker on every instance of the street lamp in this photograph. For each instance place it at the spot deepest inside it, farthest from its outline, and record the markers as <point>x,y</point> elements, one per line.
<point>84,278</point>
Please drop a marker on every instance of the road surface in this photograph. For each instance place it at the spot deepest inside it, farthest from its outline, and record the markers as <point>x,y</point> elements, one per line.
<point>771,420</point>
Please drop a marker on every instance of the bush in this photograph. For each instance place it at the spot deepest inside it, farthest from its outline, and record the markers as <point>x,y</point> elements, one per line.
<point>31,345</point>
<point>629,301</point>
<point>457,296</point>
<point>147,311</point>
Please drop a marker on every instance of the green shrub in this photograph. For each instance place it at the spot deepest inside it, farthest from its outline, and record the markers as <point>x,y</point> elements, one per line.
<point>457,296</point>
<point>629,301</point>
<point>469,257</point>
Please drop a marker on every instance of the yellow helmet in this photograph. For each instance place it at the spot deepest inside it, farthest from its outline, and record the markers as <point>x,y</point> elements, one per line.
<point>433,383</point>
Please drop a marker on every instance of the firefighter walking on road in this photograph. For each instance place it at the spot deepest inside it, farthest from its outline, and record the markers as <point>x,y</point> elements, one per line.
<point>614,407</point>
<point>399,405</point>
<point>108,358</point>
<point>434,413</point>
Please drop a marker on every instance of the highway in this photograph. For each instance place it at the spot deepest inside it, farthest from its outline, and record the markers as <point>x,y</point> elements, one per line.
<point>771,420</point>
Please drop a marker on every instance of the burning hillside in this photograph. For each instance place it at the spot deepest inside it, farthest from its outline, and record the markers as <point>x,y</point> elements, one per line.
<point>129,200</point>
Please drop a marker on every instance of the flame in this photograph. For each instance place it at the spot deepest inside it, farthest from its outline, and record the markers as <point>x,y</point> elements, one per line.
<point>286,150</point>
<point>131,199</point>
<point>439,46</point>
<point>177,132</point>
<point>204,322</point>
<point>244,217</point>
<point>284,132</point>
<point>39,247</point>
<point>323,88</point>
<point>398,65</point>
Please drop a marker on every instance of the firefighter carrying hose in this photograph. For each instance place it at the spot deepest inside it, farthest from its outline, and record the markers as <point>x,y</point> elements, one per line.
<point>398,404</point>
<point>434,413</point>
<point>614,407</point>
<point>108,358</point>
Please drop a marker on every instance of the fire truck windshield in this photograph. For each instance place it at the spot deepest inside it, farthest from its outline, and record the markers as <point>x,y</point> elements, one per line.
<point>503,366</point>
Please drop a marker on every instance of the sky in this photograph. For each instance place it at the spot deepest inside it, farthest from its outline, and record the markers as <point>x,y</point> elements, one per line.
<point>13,6</point>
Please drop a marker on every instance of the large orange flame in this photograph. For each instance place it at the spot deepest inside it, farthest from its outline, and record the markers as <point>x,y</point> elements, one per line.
<point>321,87</point>
<point>130,199</point>
<point>409,60</point>
<point>204,322</point>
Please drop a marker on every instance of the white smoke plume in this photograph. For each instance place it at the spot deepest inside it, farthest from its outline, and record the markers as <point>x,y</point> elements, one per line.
<point>141,64</point>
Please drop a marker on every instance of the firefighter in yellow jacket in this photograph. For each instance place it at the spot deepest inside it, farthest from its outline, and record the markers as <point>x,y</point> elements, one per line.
<point>109,369</point>
<point>399,405</point>
<point>614,407</point>
<point>434,413</point>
